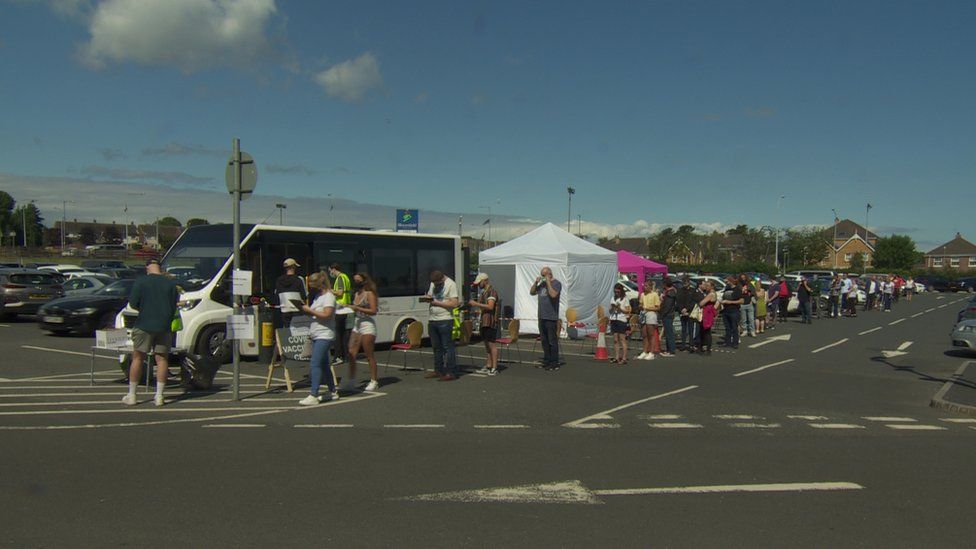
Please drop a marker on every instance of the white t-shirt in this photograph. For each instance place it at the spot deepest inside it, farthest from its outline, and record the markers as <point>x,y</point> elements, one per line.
<point>618,313</point>
<point>323,328</point>
<point>448,291</point>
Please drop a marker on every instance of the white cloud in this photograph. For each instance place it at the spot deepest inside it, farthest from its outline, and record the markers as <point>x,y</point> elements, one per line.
<point>174,148</point>
<point>190,35</point>
<point>352,80</point>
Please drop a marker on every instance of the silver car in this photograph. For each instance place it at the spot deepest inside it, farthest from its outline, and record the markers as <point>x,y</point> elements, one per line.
<point>964,334</point>
<point>86,284</point>
<point>23,291</point>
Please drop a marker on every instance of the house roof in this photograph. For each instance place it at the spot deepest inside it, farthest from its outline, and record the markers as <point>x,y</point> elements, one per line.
<point>855,238</point>
<point>956,246</point>
<point>633,245</point>
<point>847,229</point>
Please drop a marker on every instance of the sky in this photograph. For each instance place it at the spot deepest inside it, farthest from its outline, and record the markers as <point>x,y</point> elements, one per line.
<point>657,113</point>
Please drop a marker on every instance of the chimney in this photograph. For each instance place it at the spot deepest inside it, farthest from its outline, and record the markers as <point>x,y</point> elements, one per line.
<point>958,235</point>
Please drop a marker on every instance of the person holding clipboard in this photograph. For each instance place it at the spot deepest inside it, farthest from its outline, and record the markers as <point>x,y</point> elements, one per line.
<point>290,292</point>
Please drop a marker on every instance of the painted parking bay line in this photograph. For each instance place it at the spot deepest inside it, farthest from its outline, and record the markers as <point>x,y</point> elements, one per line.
<point>502,426</point>
<point>674,425</point>
<point>888,419</point>
<point>761,368</point>
<point>836,426</point>
<point>233,425</point>
<point>866,332</point>
<point>834,344</point>
<point>324,426</point>
<point>896,322</point>
<point>909,427</point>
<point>574,492</point>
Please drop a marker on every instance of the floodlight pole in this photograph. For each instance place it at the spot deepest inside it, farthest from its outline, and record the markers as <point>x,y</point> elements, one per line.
<point>237,261</point>
<point>569,212</point>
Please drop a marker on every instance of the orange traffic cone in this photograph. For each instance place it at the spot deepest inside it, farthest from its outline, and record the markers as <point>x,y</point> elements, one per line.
<point>601,343</point>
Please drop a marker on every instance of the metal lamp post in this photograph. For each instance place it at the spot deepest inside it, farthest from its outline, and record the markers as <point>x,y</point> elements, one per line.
<point>778,201</point>
<point>569,213</point>
<point>281,212</point>
<point>833,244</point>
<point>24,216</point>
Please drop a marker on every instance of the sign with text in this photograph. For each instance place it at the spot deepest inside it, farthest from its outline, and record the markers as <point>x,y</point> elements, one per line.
<point>294,338</point>
<point>241,282</point>
<point>408,220</point>
<point>112,339</point>
<point>240,326</point>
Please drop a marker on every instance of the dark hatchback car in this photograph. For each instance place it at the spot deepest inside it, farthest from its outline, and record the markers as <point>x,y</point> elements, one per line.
<point>85,313</point>
<point>937,284</point>
<point>23,291</point>
<point>966,284</point>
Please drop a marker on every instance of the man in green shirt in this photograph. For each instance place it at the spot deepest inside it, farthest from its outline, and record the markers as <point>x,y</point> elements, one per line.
<point>343,291</point>
<point>154,296</point>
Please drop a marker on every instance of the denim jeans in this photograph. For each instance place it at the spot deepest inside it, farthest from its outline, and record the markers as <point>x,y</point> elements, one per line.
<point>887,302</point>
<point>835,306</point>
<point>669,344</point>
<point>550,342</point>
<point>687,331</point>
<point>749,315</point>
<point>445,356</point>
<point>730,316</point>
<point>321,366</point>
<point>805,312</point>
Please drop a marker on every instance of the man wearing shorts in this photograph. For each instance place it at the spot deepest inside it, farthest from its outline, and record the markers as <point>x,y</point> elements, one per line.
<point>488,306</point>
<point>154,296</point>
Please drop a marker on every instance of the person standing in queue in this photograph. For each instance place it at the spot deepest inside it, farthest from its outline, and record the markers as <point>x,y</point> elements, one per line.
<point>443,298</point>
<point>707,304</point>
<point>322,332</point>
<point>803,294</point>
<point>619,313</point>
<point>548,289</point>
<point>289,287</point>
<point>685,304</point>
<point>342,289</point>
<point>154,296</point>
<point>731,313</point>
<point>650,303</point>
<point>669,303</point>
<point>488,305</point>
<point>784,295</point>
<point>365,304</point>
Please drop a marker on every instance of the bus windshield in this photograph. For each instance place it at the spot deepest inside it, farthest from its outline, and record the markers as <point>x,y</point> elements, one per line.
<point>200,253</point>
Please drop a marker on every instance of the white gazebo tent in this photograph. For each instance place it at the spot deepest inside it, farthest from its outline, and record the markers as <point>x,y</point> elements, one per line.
<point>587,272</point>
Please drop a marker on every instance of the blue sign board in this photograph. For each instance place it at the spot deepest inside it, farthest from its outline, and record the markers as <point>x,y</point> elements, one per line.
<point>408,220</point>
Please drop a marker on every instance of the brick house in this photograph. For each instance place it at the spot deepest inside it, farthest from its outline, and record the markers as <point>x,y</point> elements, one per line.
<point>957,253</point>
<point>846,239</point>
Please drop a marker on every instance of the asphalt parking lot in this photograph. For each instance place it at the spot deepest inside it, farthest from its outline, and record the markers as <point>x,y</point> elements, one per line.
<point>823,438</point>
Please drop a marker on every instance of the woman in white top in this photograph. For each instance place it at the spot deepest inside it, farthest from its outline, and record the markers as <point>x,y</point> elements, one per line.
<point>619,312</point>
<point>322,333</point>
<point>365,304</point>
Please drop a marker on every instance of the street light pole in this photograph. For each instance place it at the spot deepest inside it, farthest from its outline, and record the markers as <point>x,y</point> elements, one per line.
<point>281,213</point>
<point>569,213</point>
<point>833,244</point>
<point>579,225</point>
<point>776,261</point>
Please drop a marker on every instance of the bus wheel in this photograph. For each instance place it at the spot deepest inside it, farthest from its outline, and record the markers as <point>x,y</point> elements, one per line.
<point>214,344</point>
<point>400,334</point>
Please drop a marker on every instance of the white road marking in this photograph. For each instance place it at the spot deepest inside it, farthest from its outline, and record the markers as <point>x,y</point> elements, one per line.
<point>4,325</point>
<point>512,426</point>
<point>324,426</point>
<point>414,426</point>
<point>574,492</point>
<point>889,418</point>
<point>674,425</point>
<point>834,344</point>
<point>940,297</point>
<point>606,413</point>
<point>761,368</point>
<point>808,418</point>
<point>896,322</point>
<point>903,427</point>
<point>958,420</point>
<point>943,306</point>
<point>917,315</point>
<point>594,426</point>
<point>66,352</point>
<point>836,426</point>
<point>930,310</point>
<point>767,341</point>
<point>866,332</point>
<point>661,416</point>
<point>233,425</point>
<point>755,425</point>
<point>735,416</point>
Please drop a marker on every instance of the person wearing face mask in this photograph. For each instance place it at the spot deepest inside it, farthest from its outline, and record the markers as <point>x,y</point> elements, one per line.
<point>443,298</point>
<point>342,289</point>
<point>364,305</point>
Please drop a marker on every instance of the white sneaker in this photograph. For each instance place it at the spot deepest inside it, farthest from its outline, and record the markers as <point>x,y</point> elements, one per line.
<point>483,370</point>
<point>310,400</point>
<point>650,356</point>
<point>641,356</point>
<point>372,385</point>
<point>158,400</point>
<point>129,400</point>
<point>348,386</point>
<point>334,395</point>
<point>667,355</point>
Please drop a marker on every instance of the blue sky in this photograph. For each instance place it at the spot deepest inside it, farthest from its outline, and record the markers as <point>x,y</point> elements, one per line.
<point>657,113</point>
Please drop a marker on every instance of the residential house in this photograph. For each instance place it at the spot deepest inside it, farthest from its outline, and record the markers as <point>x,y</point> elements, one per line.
<point>848,239</point>
<point>957,253</point>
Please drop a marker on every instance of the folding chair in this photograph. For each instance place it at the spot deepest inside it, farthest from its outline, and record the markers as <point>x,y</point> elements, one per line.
<point>415,334</point>
<point>512,339</point>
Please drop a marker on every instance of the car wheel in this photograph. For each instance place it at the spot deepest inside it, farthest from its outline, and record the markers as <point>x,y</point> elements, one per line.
<point>213,343</point>
<point>400,334</point>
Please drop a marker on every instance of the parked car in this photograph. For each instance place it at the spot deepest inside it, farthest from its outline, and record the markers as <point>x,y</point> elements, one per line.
<point>968,312</point>
<point>936,283</point>
<point>23,291</point>
<point>86,313</point>
<point>84,285</point>
<point>966,284</point>
<point>93,264</point>
<point>118,272</point>
<point>964,335</point>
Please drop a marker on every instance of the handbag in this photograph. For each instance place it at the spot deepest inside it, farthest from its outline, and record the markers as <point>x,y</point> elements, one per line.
<point>176,324</point>
<point>696,313</point>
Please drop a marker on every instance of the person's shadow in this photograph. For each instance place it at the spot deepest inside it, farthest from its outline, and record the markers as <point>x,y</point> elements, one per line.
<point>955,379</point>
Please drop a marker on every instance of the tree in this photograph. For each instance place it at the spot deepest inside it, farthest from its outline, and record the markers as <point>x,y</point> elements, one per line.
<point>756,244</point>
<point>196,221</point>
<point>738,229</point>
<point>28,215</point>
<point>87,235</point>
<point>169,221</point>
<point>896,253</point>
<point>806,247</point>
<point>857,263</point>
<point>7,203</point>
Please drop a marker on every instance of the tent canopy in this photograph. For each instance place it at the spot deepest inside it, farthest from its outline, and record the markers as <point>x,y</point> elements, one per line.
<point>587,273</point>
<point>631,263</point>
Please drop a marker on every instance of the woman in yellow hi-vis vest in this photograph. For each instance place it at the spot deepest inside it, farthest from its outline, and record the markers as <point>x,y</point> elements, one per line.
<point>342,288</point>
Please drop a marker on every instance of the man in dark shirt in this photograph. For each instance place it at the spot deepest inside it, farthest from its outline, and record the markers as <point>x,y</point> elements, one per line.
<point>669,303</point>
<point>685,305</point>
<point>154,296</point>
<point>731,302</point>
<point>803,293</point>
<point>288,287</point>
<point>548,290</point>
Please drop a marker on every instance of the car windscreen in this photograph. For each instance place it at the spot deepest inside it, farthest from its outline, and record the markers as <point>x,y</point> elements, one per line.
<point>119,288</point>
<point>200,253</point>
<point>35,279</point>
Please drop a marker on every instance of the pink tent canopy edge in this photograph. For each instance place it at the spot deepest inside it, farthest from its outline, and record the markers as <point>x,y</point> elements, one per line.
<point>631,263</point>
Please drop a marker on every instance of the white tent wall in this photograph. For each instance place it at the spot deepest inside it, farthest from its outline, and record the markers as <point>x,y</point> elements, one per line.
<point>585,286</point>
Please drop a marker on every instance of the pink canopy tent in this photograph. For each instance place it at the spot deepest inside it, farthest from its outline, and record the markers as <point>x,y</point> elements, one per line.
<point>630,263</point>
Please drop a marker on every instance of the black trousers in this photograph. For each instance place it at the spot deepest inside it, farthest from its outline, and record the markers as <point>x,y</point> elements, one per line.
<point>342,337</point>
<point>550,342</point>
